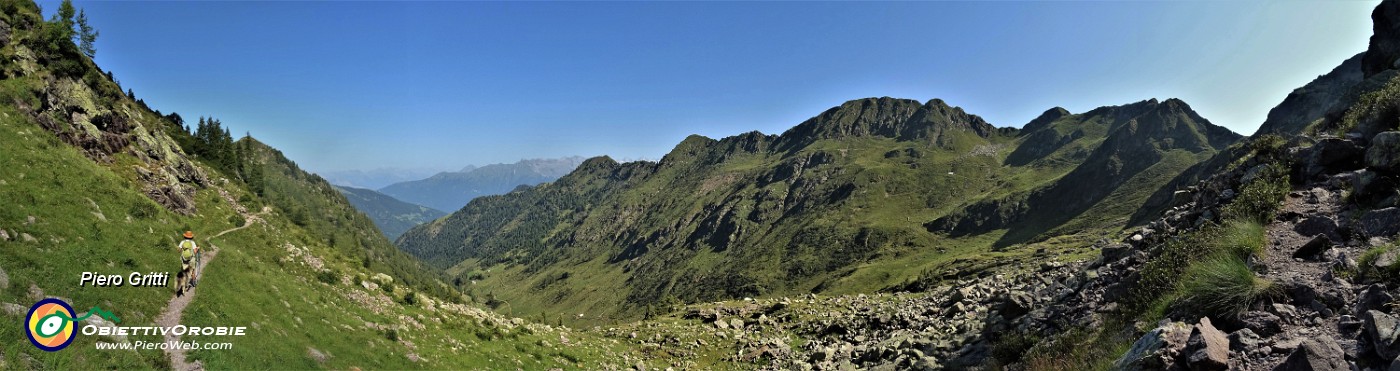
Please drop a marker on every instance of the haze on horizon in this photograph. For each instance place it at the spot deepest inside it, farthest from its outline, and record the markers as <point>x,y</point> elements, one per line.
<point>440,85</point>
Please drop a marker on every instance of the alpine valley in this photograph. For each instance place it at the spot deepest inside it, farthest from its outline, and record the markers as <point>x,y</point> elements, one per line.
<point>882,233</point>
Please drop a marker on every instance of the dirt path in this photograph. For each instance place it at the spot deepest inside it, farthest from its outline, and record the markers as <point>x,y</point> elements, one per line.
<point>176,309</point>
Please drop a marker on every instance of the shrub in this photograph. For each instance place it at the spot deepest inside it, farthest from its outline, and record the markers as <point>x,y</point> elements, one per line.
<point>1376,105</point>
<point>1259,199</point>
<point>1223,286</point>
<point>330,277</point>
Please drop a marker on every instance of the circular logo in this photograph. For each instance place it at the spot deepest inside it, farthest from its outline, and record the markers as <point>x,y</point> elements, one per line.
<point>50,324</point>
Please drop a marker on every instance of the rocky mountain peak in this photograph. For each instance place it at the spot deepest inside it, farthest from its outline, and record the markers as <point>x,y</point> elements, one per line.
<point>1044,119</point>
<point>1384,49</point>
<point>901,119</point>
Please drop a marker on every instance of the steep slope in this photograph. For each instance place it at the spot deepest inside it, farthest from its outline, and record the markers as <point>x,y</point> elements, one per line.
<point>392,216</point>
<point>1156,140</point>
<point>452,190</point>
<point>836,204</point>
<point>98,182</point>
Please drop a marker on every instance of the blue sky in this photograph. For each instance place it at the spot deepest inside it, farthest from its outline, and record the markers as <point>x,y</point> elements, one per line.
<point>362,85</point>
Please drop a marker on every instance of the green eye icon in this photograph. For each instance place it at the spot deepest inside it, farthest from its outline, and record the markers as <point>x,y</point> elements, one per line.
<point>51,324</point>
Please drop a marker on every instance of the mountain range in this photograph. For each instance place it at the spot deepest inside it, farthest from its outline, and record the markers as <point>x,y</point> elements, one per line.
<point>452,190</point>
<point>881,233</point>
<point>865,196</point>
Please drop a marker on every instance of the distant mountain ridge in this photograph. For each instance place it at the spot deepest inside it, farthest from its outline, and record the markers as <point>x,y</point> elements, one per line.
<point>375,178</point>
<point>393,217</point>
<point>452,190</point>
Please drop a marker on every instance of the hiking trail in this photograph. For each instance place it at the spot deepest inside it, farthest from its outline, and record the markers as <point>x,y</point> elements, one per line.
<point>173,312</point>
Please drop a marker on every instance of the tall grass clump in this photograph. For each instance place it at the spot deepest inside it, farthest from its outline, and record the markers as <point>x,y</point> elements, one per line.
<point>1241,238</point>
<point>1223,285</point>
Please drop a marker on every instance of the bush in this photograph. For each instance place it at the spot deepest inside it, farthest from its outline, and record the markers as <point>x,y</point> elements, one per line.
<point>330,277</point>
<point>1258,200</point>
<point>391,334</point>
<point>410,298</point>
<point>1223,286</point>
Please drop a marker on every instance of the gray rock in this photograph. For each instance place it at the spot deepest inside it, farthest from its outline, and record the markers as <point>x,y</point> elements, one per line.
<point>1263,323</point>
<point>1313,247</point>
<point>1384,154</point>
<point>1381,223</point>
<point>1386,259</point>
<point>1382,329</point>
<point>1315,225</point>
<point>1157,350</point>
<point>1332,155</point>
<point>4,236</point>
<point>1244,340</point>
<point>1318,353</point>
<point>13,309</point>
<point>4,279</point>
<point>1373,297</point>
<point>27,238</point>
<point>99,322</point>
<point>1207,348</point>
<point>1284,311</point>
<point>1115,251</point>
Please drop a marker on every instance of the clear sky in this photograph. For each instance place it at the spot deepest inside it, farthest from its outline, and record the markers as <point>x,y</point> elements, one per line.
<point>362,85</point>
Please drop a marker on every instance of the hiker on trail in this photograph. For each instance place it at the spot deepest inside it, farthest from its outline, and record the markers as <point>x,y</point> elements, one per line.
<point>188,252</point>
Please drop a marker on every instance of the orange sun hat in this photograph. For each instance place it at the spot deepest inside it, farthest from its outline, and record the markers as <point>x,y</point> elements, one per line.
<point>189,234</point>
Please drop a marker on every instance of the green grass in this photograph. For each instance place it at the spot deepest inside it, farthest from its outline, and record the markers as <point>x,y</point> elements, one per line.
<point>1241,238</point>
<point>1374,105</point>
<point>1223,286</point>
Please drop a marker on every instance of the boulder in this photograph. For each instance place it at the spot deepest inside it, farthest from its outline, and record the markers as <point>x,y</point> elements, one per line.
<point>1331,156</point>
<point>1157,350</point>
<point>1386,259</point>
<point>1384,47</point>
<point>1384,154</point>
<point>1115,251</point>
<point>1373,297</point>
<point>1245,340</point>
<point>1382,329</point>
<point>1317,353</point>
<point>1317,224</point>
<point>1207,348</point>
<point>1313,247</point>
<point>1263,323</point>
<point>1381,223</point>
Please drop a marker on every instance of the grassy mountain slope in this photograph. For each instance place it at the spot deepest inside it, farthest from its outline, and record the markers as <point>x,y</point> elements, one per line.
<point>451,190</point>
<point>391,215</point>
<point>836,204</point>
<point>94,181</point>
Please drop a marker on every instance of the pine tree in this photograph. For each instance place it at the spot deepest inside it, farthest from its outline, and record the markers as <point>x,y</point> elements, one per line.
<point>86,35</point>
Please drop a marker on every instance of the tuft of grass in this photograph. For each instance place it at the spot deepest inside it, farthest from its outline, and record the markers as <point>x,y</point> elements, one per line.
<point>1080,349</point>
<point>1241,238</point>
<point>1365,269</point>
<point>1223,286</point>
